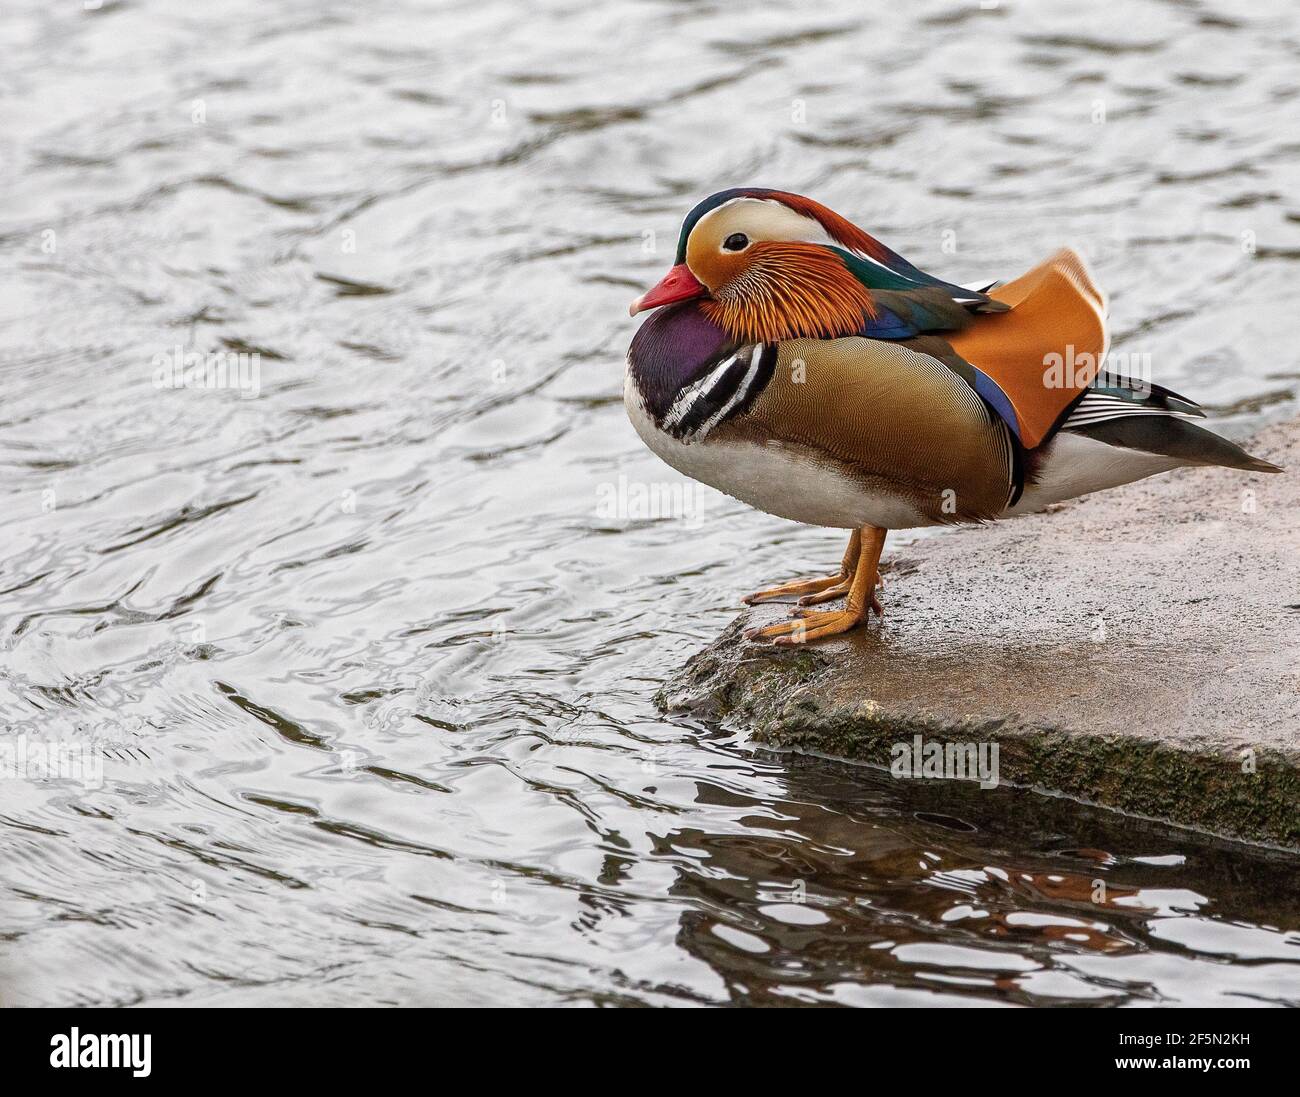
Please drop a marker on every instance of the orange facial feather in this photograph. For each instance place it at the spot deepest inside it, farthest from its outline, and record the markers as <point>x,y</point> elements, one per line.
<point>790,290</point>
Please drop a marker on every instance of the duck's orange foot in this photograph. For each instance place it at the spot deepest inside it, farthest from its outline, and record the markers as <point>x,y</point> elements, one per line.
<point>807,626</point>
<point>841,590</point>
<point>817,590</point>
<point>859,582</point>
<point>810,587</point>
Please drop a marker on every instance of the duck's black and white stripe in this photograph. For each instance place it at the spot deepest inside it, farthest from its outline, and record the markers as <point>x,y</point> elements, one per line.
<point>1107,400</point>
<point>725,390</point>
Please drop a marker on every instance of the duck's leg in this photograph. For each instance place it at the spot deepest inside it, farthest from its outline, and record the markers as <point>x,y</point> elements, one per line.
<point>808,625</point>
<point>813,586</point>
<point>839,590</point>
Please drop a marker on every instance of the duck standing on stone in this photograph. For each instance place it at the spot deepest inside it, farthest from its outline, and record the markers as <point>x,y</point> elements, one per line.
<point>799,365</point>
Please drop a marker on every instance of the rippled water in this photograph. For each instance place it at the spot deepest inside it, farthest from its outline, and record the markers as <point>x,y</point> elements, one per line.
<point>369,672</point>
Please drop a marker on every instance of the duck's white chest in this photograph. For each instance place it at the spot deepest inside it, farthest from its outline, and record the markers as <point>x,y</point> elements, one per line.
<point>773,478</point>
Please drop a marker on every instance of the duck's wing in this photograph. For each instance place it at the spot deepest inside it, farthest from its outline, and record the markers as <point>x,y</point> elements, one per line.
<point>908,301</point>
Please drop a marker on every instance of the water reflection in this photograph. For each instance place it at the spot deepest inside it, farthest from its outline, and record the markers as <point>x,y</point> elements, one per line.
<point>835,894</point>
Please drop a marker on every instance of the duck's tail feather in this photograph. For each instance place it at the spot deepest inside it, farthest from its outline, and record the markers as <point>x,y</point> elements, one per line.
<point>1172,435</point>
<point>1147,417</point>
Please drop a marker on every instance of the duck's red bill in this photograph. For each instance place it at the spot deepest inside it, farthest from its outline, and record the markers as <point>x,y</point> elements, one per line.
<point>679,284</point>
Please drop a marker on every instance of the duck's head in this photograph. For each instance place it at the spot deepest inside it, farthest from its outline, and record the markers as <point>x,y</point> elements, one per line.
<point>768,265</point>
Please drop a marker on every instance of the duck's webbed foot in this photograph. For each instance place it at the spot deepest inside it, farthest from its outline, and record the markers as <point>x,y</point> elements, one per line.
<point>814,589</point>
<point>808,625</point>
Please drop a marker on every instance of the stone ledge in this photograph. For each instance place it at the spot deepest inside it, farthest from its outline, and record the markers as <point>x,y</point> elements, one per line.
<point>1132,650</point>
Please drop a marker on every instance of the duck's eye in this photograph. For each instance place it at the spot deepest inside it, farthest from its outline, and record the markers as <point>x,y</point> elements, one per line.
<point>737,241</point>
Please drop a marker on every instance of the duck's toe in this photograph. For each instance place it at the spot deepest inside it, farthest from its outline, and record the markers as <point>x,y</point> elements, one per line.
<point>809,587</point>
<point>808,626</point>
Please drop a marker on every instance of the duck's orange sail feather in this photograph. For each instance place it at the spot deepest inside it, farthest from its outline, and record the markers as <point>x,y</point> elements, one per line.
<point>1048,348</point>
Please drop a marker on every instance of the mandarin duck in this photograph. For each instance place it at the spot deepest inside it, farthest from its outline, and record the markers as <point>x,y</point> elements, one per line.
<point>799,365</point>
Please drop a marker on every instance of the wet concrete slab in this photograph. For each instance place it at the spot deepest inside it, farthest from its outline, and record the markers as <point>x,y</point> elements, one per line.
<point>1138,649</point>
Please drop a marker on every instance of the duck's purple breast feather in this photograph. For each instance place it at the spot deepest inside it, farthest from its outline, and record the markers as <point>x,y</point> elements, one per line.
<point>672,348</point>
